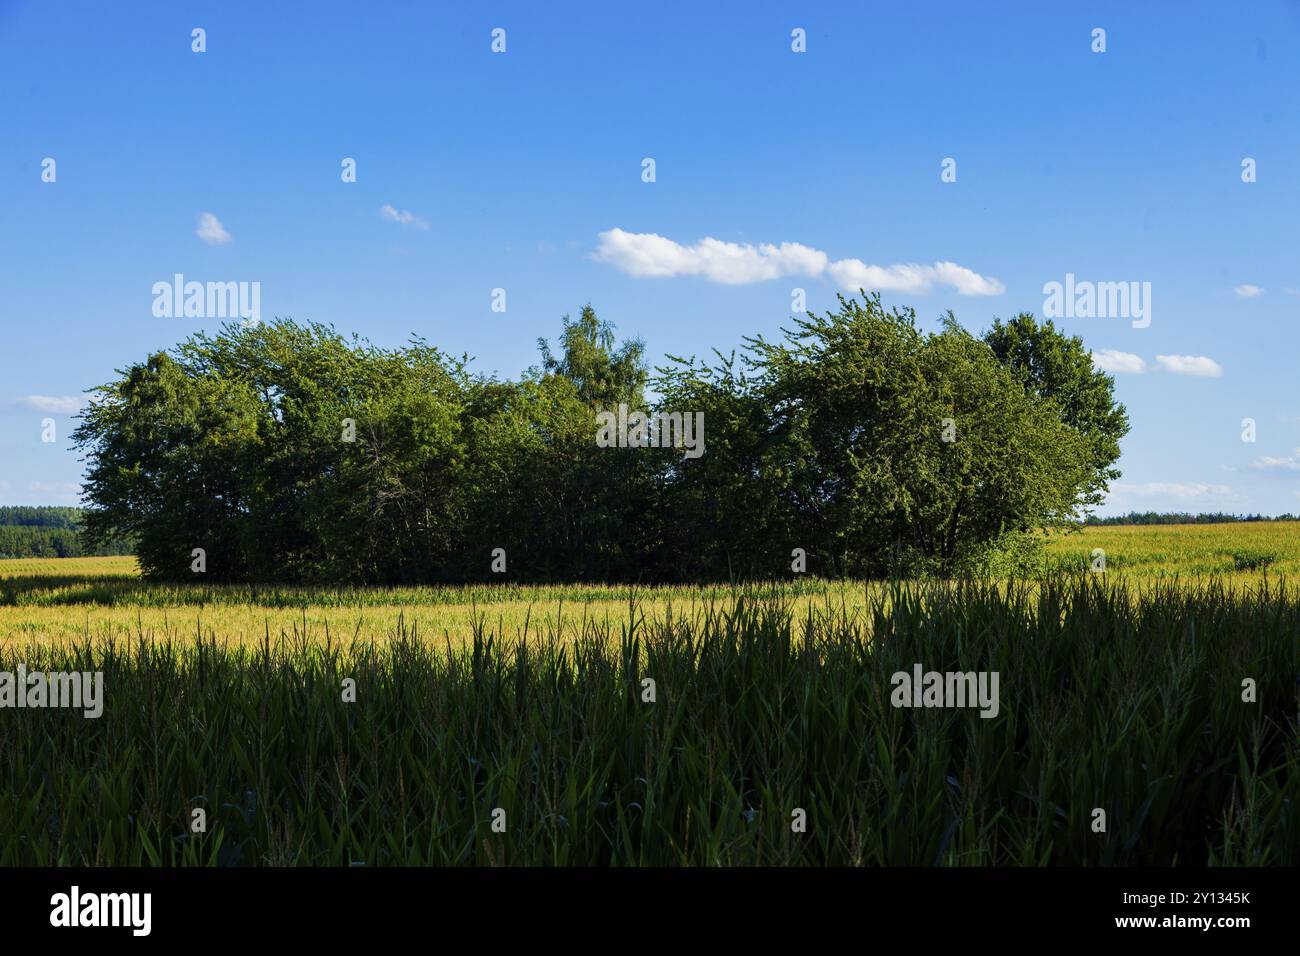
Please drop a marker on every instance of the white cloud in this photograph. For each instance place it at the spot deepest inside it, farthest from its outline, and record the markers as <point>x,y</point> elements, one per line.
<point>854,274</point>
<point>66,492</point>
<point>211,230</point>
<point>56,404</point>
<point>1270,461</point>
<point>966,281</point>
<point>1113,361</point>
<point>1290,291</point>
<point>648,255</point>
<point>1248,291</point>
<point>1185,490</point>
<point>1190,365</point>
<point>403,216</point>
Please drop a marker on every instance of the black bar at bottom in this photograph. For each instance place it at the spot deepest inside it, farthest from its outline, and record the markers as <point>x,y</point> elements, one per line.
<point>334,906</point>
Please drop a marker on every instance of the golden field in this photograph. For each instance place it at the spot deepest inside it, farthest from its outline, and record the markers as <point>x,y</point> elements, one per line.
<point>1163,551</point>
<point>72,598</point>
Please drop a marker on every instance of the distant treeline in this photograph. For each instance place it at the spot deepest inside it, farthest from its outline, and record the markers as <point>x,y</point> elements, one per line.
<point>39,516</point>
<point>28,531</point>
<point>1155,517</point>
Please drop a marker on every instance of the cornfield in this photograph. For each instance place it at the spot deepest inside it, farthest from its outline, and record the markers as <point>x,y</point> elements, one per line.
<point>751,729</point>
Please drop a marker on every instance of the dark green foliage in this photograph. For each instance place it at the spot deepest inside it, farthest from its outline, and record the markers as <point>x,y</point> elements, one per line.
<point>834,441</point>
<point>1059,368</point>
<point>25,541</point>
<point>1108,699</point>
<point>602,376</point>
<point>1252,560</point>
<point>831,441</point>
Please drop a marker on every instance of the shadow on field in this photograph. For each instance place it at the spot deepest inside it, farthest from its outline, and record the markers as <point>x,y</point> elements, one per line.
<point>752,735</point>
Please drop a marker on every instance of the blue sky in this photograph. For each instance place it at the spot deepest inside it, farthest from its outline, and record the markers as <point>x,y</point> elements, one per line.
<point>522,170</point>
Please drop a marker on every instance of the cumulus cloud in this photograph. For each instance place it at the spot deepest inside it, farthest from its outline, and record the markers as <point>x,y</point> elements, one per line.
<point>46,493</point>
<point>854,274</point>
<point>1190,365</point>
<point>966,281</point>
<point>66,489</point>
<point>648,255</point>
<point>1114,361</point>
<point>403,216</point>
<point>211,230</point>
<point>1183,490</point>
<point>1247,291</point>
<point>1269,462</point>
<point>54,404</point>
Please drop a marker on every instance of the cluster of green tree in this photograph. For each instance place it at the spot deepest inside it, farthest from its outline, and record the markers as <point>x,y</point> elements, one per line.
<point>287,452</point>
<point>49,532</point>
<point>1155,517</point>
<point>24,541</point>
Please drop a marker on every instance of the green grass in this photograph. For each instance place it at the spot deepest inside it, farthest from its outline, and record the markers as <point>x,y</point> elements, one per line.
<point>1110,699</point>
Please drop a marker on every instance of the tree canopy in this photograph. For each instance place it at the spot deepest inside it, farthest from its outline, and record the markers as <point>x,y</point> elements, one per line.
<point>288,452</point>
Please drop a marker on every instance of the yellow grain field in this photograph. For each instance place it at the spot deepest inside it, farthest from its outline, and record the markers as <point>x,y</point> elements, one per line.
<point>72,598</point>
